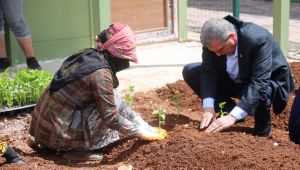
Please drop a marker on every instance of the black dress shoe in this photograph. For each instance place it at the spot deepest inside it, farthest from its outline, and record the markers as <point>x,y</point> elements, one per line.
<point>263,130</point>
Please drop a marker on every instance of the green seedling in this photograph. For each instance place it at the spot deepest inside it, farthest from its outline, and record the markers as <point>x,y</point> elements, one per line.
<point>176,99</point>
<point>221,106</point>
<point>129,96</point>
<point>161,113</point>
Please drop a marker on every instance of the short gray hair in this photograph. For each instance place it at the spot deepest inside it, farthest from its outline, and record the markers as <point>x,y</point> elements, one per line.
<point>215,28</point>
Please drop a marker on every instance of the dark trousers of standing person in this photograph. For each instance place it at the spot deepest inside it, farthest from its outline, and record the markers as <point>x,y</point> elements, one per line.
<point>228,89</point>
<point>294,120</point>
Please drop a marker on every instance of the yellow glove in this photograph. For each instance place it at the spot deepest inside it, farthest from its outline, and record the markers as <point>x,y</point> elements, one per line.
<point>151,133</point>
<point>3,147</point>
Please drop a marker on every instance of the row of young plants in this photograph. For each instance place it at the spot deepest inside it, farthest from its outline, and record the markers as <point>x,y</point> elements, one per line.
<point>161,112</point>
<point>23,87</point>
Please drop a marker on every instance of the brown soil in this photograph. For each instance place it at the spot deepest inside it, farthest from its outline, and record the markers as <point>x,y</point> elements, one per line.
<point>186,146</point>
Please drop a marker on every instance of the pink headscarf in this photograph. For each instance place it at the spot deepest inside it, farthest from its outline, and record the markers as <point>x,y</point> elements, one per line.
<point>122,42</point>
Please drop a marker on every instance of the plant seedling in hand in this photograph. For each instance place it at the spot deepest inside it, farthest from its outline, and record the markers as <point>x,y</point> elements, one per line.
<point>161,113</point>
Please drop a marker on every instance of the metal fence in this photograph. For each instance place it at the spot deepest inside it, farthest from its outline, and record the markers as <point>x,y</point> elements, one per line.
<point>294,30</point>
<point>257,11</point>
<point>200,10</point>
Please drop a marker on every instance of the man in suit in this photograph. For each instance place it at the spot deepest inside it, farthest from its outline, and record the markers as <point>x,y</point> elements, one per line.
<point>239,60</point>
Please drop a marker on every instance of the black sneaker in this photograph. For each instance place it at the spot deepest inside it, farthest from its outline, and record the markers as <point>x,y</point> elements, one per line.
<point>32,63</point>
<point>4,64</point>
<point>262,130</point>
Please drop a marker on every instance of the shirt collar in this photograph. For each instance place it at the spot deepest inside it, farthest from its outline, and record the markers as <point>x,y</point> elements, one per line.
<point>236,48</point>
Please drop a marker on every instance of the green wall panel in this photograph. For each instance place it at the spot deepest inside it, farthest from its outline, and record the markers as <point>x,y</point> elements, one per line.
<point>281,24</point>
<point>58,28</point>
<point>182,20</point>
<point>47,50</point>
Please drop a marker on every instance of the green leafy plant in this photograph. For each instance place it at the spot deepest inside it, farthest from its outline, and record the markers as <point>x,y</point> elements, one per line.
<point>161,113</point>
<point>176,99</point>
<point>129,96</point>
<point>7,91</point>
<point>221,106</point>
<point>23,87</point>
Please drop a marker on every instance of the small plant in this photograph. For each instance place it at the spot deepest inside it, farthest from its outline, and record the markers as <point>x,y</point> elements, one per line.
<point>176,99</point>
<point>221,106</point>
<point>161,113</point>
<point>129,96</point>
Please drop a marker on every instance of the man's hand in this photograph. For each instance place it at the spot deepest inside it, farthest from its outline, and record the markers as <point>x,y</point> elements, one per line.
<point>221,124</point>
<point>208,116</point>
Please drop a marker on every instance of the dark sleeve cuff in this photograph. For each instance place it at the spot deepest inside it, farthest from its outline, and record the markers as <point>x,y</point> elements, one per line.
<point>246,107</point>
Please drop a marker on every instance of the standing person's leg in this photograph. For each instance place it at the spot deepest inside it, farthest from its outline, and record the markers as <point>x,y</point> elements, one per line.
<point>13,12</point>
<point>2,38</point>
<point>4,63</point>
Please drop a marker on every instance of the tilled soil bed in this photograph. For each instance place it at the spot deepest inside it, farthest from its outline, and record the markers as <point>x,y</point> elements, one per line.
<point>186,146</point>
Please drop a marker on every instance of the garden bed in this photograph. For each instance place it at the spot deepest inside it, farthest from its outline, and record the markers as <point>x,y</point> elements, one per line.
<point>185,148</point>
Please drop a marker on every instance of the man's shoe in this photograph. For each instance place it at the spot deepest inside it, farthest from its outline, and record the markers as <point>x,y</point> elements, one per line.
<point>262,130</point>
<point>78,155</point>
<point>32,63</point>
<point>4,64</point>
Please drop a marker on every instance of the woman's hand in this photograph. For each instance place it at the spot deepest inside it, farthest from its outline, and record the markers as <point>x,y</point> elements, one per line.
<point>147,132</point>
<point>152,133</point>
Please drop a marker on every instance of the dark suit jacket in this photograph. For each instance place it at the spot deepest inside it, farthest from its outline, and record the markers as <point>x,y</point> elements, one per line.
<point>261,64</point>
